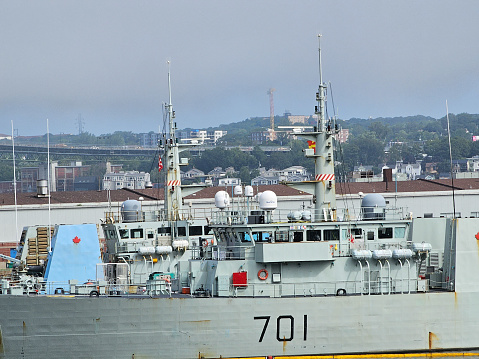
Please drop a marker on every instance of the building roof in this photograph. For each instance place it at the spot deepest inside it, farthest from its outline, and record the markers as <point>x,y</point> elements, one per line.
<point>81,196</point>
<point>419,185</point>
<point>152,194</point>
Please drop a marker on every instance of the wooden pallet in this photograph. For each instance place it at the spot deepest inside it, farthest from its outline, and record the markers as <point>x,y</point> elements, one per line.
<point>38,246</point>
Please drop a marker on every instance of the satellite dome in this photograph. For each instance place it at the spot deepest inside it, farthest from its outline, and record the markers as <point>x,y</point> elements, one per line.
<point>268,200</point>
<point>130,210</point>
<point>238,190</point>
<point>222,199</point>
<point>373,206</point>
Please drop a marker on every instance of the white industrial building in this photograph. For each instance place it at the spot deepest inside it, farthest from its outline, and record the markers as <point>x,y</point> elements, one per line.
<point>413,198</point>
<point>129,179</point>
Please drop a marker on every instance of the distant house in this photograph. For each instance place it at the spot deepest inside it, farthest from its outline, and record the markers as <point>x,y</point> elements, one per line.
<point>293,171</point>
<point>363,172</point>
<point>217,172</point>
<point>230,170</point>
<point>412,170</point>
<point>194,172</point>
<point>431,168</point>
<point>473,164</point>
<point>229,182</point>
<point>289,174</point>
<point>459,165</point>
<point>130,179</point>
<point>263,180</point>
<point>260,137</point>
<point>342,136</point>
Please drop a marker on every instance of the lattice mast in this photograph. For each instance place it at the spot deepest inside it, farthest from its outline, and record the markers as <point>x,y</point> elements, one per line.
<point>272,135</point>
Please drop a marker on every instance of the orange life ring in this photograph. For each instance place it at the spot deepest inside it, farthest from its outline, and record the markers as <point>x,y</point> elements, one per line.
<point>263,274</point>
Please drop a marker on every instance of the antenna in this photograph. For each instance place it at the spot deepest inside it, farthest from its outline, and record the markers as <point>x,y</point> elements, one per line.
<point>15,183</point>
<point>49,190</point>
<point>320,67</point>
<point>169,106</point>
<point>80,123</point>
<point>320,97</point>
<point>271,113</point>
<point>450,159</point>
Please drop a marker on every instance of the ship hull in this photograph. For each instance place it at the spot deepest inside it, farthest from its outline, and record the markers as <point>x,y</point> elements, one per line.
<point>83,327</point>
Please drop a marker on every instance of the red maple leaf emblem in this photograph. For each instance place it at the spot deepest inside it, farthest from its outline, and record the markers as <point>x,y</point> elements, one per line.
<point>76,240</point>
<point>477,236</point>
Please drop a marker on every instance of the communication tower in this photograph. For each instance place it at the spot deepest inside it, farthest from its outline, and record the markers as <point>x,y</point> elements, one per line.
<point>272,135</point>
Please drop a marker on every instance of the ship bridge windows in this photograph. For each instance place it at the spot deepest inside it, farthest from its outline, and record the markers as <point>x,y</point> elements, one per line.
<point>150,233</point>
<point>281,236</point>
<point>257,237</point>
<point>313,235</point>
<point>355,233</point>
<point>245,237</point>
<point>110,234</point>
<point>297,236</point>
<point>136,233</point>
<point>370,235</point>
<point>164,230</point>
<point>196,230</point>
<point>385,232</point>
<point>182,231</point>
<point>124,234</point>
<point>399,232</point>
<point>331,234</point>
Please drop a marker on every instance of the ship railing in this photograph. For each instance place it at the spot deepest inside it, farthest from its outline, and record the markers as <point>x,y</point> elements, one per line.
<point>386,245</point>
<point>157,215</point>
<point>379,286</point>
<point>238,217</point>
<point>222,253</point>
<point>372,213</point>
<point>132,246</point>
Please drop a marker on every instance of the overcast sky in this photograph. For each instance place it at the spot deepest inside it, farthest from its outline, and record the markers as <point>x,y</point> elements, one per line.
<point>106,60</point>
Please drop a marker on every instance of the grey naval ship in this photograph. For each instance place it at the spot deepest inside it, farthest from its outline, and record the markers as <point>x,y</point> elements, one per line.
<point>245,281</point>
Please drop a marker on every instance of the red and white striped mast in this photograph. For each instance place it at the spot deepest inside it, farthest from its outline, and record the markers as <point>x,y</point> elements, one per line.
<point>323,136</point>
<point>173,198</point>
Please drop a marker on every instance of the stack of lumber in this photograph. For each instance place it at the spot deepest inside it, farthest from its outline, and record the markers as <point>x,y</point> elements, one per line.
<point>38,246</point>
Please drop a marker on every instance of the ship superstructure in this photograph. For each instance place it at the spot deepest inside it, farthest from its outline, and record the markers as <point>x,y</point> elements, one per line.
<point>254,282</point>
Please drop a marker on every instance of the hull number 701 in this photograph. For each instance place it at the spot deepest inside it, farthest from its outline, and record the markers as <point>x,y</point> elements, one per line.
<point>284,327</point>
